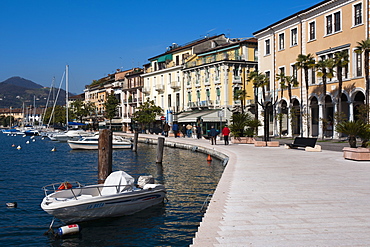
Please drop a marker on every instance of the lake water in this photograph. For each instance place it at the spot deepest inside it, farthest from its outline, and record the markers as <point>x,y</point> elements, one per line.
<point>188,177</point>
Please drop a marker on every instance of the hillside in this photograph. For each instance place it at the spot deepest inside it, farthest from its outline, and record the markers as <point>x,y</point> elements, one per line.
<point>16,90</point>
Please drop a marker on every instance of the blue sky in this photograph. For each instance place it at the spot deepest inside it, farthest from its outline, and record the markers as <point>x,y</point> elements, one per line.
<point>38,38</point>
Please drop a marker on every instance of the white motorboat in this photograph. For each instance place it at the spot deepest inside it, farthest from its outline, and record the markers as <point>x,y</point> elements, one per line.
<point>69,135</point>
<point>118,196</point>
<point>92,142</point>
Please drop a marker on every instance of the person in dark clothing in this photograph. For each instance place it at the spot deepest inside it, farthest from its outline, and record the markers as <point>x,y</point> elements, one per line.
<point>199,132</point>
<point>175,129</point>
<point>183,130</point>
<point>213,133</point>
<point>166,128</point>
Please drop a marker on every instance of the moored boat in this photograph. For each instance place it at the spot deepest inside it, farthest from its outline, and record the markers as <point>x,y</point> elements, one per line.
<point>118,196</point>
<point>92,143</point>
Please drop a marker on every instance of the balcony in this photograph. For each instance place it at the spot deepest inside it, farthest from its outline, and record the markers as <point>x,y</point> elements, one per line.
<point>205,103</point>
<point>188,85</point>
<point>207,82</point>
<point>217,80</point>
<point>237,80</point>
<point>159,87</point>
<point>146,90</point>
<point>175,85</point>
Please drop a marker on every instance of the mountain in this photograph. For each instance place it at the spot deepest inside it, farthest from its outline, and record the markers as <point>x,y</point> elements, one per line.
<point>16,90</point>
<point>21,82</point>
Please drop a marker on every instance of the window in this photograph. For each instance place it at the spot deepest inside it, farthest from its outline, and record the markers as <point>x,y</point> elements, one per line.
<point>294,36</point>
<point>312,30</point>
<point>189,96</point>
<point>208,94</point>
<point>177,60</point>
<point>313,76</point>
<point>281,41</point>
<point>267,47</point>
<point>268,76</point>
<point>358,69</point>
<point>198,95</point>
<point>169,100</point>
<point>337,24</point>
<point>358,14</point>
<point>333,24</point>
<point>294,71</point>
<point>329,24</point>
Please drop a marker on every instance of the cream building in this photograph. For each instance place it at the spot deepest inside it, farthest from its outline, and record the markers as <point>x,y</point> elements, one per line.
<point>163,77</point>
<point>321,30</point>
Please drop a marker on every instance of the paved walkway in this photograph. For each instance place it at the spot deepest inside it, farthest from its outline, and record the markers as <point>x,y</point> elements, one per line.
<point>272,196</point>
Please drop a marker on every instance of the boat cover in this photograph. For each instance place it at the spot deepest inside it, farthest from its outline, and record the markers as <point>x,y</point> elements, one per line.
<point>116,182</point>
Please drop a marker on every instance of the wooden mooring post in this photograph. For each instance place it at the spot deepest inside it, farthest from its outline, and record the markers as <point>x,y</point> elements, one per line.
<point>160,149</point>
<point>105,155</point>
<point>134,147</point>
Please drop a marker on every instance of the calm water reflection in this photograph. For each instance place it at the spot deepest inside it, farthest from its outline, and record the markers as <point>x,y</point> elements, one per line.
<point>186,174</point>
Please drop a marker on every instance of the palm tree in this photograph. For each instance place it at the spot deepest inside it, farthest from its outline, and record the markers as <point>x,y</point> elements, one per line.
<point>364,47</point>
<point>259,80</point>
<point>306,62</point>
<point>340,61</point>
<point>281,77</point>
<point>324,70</point>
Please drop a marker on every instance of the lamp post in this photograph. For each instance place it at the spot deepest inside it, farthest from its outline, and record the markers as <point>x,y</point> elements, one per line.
<point>10,117</point>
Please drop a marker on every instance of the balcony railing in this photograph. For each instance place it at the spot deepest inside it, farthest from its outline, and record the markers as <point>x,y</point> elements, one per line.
<point>146,90</point>
<point>237,80</point>
<point>159,87</point>
<point>175,85</point>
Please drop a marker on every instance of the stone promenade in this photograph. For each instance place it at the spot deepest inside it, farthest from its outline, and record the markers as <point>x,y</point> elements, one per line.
<point>272,196</point>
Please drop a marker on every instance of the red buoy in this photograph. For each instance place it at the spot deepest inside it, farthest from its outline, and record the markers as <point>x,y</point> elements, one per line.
<point>209,158</point>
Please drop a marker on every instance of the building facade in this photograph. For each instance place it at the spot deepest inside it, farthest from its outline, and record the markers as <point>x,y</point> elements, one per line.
<point>322,30</point>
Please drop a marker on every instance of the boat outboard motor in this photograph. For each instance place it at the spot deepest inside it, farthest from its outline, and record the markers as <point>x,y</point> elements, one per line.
<point>143,180</point>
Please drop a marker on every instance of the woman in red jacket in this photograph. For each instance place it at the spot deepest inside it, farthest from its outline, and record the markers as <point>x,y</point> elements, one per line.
<point>225,133</point>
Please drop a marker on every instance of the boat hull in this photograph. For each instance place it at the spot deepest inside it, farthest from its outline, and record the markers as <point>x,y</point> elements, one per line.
<point>95,146</point>
<point>104,206</point>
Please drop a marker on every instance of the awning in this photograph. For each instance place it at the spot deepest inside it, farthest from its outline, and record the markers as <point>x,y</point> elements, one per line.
<point>164,58</point>
<point>74,123</point>
<point>192,116</point>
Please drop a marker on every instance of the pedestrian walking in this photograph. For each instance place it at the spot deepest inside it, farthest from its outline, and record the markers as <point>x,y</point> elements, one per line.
<point>175,129</point>
<point>183,130</point>
<point>226,133</point>
<point>166,128</point>
<point>213,133</point>
<point>194,132</point>
<point>199,132</point>
<point>189,130</point>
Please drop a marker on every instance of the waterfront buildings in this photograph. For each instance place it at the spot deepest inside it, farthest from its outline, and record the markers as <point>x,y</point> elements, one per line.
<point>322,30</point>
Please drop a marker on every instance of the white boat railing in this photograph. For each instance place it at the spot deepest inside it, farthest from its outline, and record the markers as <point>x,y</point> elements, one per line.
<point>76,190</point>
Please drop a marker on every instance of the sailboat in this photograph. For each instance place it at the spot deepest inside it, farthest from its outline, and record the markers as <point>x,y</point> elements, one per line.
<point>74,134</point>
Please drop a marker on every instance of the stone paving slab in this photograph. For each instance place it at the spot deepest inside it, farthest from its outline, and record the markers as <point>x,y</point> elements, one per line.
<point>271,196</point>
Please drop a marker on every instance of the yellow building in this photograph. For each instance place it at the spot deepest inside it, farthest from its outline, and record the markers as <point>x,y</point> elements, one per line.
<point>213,78</point>
<point>322,30</point>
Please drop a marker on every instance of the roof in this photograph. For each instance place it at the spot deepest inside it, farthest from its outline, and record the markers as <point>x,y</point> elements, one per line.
<point>291,16</point>
<point>187,45</point>
<point>235,43</point>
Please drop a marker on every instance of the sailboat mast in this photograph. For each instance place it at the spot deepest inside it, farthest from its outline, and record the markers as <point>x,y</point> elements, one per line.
<point>67,95</point>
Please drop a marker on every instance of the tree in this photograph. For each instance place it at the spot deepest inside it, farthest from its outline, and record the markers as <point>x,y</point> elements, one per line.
<point>111,108</point>
<point>146,113</point>
<point>305,63</point>
<point>241,95</point>
<point>324,70</point>
<point>340,61</point>
<point>58,115</point>
<point>80,109</point>
<point>364,47</point>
